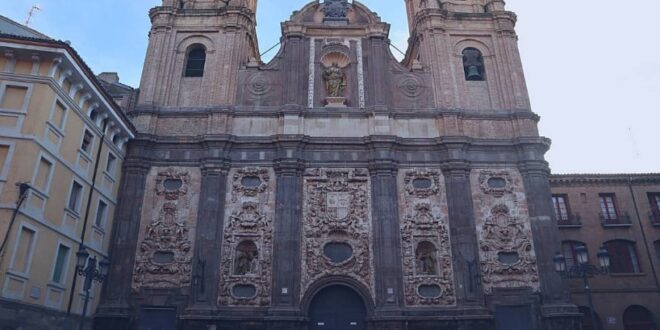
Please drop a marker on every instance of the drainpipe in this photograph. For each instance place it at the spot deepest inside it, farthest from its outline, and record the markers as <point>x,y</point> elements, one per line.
<point>641,227</point>
<point>86,220</point>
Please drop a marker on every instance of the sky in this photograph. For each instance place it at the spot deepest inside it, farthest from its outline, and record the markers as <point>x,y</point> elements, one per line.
<point>592,67</point>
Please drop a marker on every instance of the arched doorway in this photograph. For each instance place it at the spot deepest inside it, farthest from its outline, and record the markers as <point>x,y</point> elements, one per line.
<point>638,318</point>
<point>337,307</point>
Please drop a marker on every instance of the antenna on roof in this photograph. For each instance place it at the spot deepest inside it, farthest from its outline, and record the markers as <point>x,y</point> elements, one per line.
<point>33,10</point>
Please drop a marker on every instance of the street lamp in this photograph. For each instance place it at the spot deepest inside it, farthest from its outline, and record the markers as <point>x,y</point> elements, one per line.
<point>582,269</point>
<point>86,268</point>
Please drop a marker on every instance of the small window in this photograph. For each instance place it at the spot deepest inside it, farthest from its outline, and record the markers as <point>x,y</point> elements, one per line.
<point>110,165</point>
<point>100,214</point>
<point>654,200</point>
<point>86,144</point>
<point>473,65</point>
<point>58,116</point>
<point>623,257</point>
<point>60,264</point>
<point>608,210</point>
<point>196,61</point>
<point>24,247</point>
<point>657,249</point>
<point>75,196</point>
<point>14,97</point>
<point>560,203</point>
<point>569,250</point>
<point>42,177</point>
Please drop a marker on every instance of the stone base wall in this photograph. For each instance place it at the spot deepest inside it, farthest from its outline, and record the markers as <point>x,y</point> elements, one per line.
<point>18,316</point>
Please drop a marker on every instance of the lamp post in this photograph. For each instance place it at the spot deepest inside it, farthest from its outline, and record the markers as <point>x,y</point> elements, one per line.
<point>86,267</point>
<point>582,269</point>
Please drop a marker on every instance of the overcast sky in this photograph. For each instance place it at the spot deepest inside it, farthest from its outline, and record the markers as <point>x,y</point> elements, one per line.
<point>592,67</point>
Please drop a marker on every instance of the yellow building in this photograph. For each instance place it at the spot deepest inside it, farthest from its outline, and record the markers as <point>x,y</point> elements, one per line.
<point>56,124</point>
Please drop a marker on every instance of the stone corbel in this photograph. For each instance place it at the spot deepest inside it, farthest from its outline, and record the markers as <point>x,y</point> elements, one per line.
<point>109,129</point>
<point>91,108</point>
<point>10,65</point>
<point>82,101</point>
<point>64,76</point>
<point>75,89</point>
<point>101,118</point>
<point>36,64</point>
<point>122,142</point>
<point>56,66</point>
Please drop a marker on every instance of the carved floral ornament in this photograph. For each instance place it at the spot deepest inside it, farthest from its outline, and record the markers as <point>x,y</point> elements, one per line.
<point>336,226</point>
<point>246,261</point>
<point>426,246</point>
<point>164,256</point>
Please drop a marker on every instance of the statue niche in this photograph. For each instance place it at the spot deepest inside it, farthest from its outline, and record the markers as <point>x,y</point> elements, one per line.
<point>246,259</point>
<point>425,259</point>
<point>335,79</point>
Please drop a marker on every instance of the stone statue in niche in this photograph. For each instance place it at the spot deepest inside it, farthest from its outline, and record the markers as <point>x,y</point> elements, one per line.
<point>335,80</point>
<point>247,258</point>
<point>426,260</point>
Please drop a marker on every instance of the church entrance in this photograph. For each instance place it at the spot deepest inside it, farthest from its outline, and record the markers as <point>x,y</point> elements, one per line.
<point>337,308</point>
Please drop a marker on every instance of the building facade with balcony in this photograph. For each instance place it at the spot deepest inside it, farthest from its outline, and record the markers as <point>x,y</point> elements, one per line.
<point>621,213</point>
<point>58,127</point>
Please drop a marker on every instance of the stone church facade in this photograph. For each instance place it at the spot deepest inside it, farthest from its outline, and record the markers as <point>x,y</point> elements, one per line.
<point>334,183</point>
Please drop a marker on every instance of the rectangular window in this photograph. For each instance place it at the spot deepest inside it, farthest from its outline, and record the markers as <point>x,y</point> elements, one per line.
<point>623,257</point>
<point>110,165</point>
<point>86,144</point>
<point>608,209</point>
<point>75,196</point>
<point>654,200</point>
<point>43,174</point>
<point>14,97</point>
<point>24,246</point>
<point>657,249</point>
<point>59,115</point>
<point>100,214</point>
<point>4,153</point>
<point>60,264</point>
<point>560,203</point>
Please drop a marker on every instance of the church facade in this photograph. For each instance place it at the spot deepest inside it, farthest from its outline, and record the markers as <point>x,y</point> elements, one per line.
<point>334,187</point>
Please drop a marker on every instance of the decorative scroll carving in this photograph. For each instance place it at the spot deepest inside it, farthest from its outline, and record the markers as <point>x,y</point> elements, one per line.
<point>337,212</point>
<point>164,256</point>
<point>506,244</point>
<point>427,257</point>
<point>246,262</point>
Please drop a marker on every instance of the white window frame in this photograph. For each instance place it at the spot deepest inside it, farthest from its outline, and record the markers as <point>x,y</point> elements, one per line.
<point>65,267</point>
<point>104,218</point>
<point>67,110</point>
<point>111,171</point>
<point>35,172</point>
<point>80,197</point>
<point>28,269</point>
<point>26,100</point>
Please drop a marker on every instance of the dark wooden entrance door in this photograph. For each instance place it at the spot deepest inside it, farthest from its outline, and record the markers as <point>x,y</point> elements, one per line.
<point>157,319</point>
<point>337,308</point>
<point>513,318</point>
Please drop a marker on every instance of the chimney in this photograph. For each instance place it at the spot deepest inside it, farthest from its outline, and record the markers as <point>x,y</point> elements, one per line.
<point>109,77</point>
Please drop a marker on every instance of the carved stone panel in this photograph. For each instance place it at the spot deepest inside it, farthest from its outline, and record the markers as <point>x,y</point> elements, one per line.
<point>247,246</point>
<point>505,236</point>
<point>336,238</point>
<point>167,230</point>
<point>426,248</point>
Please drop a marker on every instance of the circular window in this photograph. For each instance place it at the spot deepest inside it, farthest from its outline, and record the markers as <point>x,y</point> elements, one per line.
<point>172,184</point>
<point>429,291</point>
<point>244,291</point>
<point>251,182</point>
<point>338,252</point>
<point>422,183</point>
<point>497,183</point>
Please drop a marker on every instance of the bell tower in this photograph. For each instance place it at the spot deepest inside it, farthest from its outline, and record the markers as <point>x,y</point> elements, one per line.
<point>196,48</point>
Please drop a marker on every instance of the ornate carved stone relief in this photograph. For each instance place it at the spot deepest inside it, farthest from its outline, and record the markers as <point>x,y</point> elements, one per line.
<point>164,256</point>
<point>505,237</point>
<point>427,259</point>
<point>337,226</point>
<point>246,261</point>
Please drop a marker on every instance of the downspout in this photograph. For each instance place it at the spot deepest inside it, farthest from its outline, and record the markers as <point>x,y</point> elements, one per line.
<point>641,227</point>
<point>86,220</point>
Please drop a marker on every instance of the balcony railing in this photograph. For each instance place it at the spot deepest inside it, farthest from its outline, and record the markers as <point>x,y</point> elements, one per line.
<point>655,219</point>
<point>573,221</point>
<point>620,220</point>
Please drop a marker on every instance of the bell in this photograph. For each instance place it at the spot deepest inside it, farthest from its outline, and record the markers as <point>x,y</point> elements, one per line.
<point>473,73</point>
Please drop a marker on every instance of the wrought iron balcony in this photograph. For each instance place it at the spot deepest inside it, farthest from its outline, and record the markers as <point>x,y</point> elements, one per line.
<point>620,220</point>
<point>573,221</point>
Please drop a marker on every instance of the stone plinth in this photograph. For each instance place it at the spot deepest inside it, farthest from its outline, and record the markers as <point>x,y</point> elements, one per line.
<point>335,102</point>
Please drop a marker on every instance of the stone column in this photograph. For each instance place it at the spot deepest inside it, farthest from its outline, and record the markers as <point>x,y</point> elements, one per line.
<point>115,308</point>
<point>208,241</point>
<point>386,235</point>
<point>287,238</point>
<point>464,242</point>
